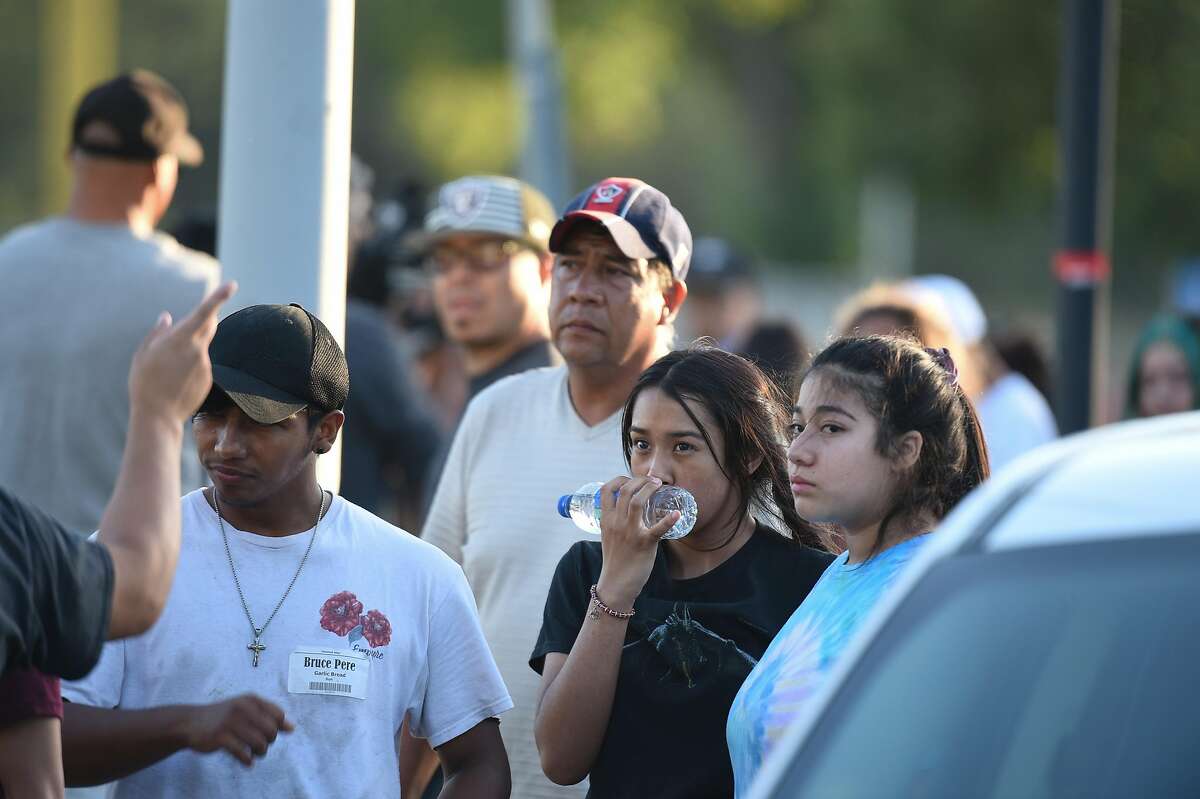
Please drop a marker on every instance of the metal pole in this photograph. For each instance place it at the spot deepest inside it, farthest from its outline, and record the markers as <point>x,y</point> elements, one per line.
<point>544,159</point>
<point>285,159</point>
<point>1081,266</point>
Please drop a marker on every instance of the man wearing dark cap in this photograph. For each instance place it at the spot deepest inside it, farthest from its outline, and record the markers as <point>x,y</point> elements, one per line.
<point>487,253</point>
<point>81,289</point>
<point>339,625</point>
<point>622,252</point>
<point>724,292</point>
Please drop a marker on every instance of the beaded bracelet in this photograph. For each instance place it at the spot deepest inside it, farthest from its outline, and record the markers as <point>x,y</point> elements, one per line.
<point>616,614</point>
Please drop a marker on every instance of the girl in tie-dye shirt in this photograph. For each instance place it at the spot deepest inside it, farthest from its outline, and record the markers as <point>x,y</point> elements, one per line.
<point>884,444</point>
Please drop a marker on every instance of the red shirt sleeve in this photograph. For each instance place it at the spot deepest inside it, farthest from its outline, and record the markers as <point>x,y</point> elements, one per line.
<point>27,694</point>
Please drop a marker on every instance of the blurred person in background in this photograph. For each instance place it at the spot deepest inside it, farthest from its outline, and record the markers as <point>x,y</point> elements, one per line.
<point>486,247</point>
<point>486,251</point>
<point>391,436</point>
<point>360,225</point>
<point>886,309</point>
<point>942,312</point>
<point>1164,372</point>
<point>378,256</point>
<point>1023,353</point>
<point>723,295</point>
<point>81,289</point>
<point>779,349</point>
<point>389,273</point>
<point>197,231</point>
<point>440,362</point>
<point>1015,416</point>
<point>622,252</point>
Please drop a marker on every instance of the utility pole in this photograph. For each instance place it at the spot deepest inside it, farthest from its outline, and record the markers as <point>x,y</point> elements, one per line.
<point>285,159</point>
<point>544,160</point>
<point>1086,116</point>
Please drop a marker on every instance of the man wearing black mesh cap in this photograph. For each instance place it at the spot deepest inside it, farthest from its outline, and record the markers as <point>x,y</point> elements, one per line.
<point>336,619</point>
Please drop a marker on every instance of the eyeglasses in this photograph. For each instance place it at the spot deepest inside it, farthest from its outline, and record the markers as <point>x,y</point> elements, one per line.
<point>480,258</point>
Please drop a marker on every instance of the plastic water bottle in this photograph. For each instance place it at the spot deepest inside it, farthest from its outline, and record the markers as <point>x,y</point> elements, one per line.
<point>583,508</point>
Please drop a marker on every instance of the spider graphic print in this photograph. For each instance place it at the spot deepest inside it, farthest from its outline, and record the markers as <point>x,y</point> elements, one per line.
<point>681,652</point>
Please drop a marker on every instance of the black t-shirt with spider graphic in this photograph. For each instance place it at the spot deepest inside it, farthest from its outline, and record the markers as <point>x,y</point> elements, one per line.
<point>686,653</point>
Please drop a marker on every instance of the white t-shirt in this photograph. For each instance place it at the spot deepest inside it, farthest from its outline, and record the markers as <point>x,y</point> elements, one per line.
<point>1015,419</point>
<point>77,300</point>
<point>519,447</point>
<point>416,623</point>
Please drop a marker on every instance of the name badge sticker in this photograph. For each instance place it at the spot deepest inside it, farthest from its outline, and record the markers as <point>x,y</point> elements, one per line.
<point>329,672</point>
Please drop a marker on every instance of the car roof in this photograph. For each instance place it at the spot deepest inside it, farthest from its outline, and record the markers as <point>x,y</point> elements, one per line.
<point>1127,480</point>
<point>1131,489</point>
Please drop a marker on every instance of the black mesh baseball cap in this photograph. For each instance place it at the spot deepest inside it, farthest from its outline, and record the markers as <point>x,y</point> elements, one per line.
<point>137,116</point>
<point>275,360</point>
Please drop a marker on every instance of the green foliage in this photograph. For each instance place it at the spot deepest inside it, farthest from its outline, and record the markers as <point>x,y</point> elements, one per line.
<point>762,118</point>
<point>619,61</point>
<point>462,118</point>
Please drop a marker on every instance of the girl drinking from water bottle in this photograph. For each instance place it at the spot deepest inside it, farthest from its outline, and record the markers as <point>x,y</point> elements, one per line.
<point>884,443</point>
<point>645,642</point>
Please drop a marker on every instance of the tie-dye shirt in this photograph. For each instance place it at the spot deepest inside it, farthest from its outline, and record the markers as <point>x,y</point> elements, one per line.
<point>795,665</point>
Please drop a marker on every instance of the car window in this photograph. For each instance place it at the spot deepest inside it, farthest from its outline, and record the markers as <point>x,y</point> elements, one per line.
<point>1066,671</point>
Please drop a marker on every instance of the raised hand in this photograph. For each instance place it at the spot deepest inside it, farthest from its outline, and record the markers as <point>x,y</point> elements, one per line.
<point>171,374</point>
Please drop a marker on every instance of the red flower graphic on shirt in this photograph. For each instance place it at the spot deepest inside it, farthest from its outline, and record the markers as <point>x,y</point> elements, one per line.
<point>376,628</point>
<point>340,613</point>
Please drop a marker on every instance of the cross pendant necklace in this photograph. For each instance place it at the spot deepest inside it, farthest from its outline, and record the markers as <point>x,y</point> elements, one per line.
<point>256,646</point>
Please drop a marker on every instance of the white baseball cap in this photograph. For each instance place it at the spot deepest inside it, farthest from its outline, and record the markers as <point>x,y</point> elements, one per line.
<point>956,301</point>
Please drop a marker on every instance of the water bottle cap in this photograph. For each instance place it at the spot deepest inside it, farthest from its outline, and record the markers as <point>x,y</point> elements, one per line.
<point>564,506</point>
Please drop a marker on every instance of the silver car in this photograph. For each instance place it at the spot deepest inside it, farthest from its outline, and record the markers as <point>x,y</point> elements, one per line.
<point>1046,642</point>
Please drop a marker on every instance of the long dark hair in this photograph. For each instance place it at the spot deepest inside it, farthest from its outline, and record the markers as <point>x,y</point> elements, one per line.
<point>752,414</point>
<point>907,388</point>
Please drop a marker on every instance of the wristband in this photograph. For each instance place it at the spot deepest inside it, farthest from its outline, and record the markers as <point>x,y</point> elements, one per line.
<point>599,605</point>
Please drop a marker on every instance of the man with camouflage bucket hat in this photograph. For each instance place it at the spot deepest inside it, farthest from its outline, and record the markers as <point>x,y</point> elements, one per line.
<point>486,245</point>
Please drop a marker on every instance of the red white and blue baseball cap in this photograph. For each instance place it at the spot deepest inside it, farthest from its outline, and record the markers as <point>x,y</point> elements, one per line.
<point>639,217</point>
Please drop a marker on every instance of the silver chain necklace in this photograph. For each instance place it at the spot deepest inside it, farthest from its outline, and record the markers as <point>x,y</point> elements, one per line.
<point>256,646</point>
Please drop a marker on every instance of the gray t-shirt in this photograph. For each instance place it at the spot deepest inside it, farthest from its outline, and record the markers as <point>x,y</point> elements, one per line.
<point>78,298</point>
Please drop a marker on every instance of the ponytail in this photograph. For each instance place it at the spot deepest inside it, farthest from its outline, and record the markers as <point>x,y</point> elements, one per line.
<point>977,465</point>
